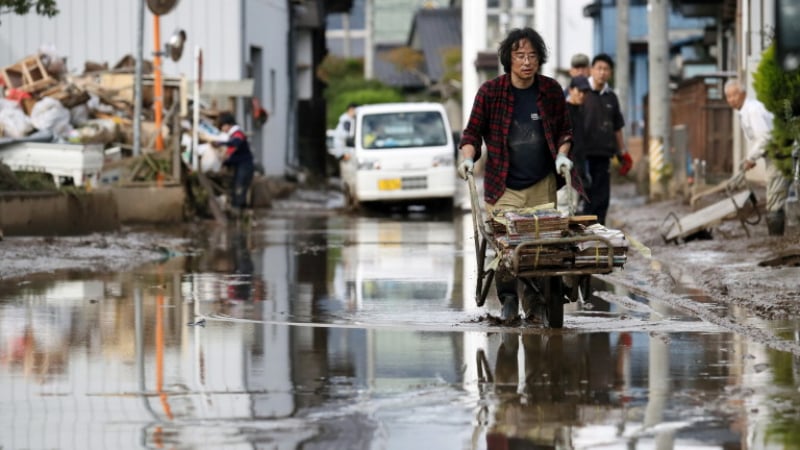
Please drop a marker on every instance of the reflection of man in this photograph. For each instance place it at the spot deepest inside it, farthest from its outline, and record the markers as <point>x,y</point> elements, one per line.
<point>522,118</point>
<point>756,124</point>
<point>241,290</point>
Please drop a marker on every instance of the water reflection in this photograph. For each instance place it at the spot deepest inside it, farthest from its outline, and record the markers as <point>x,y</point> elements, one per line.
<point>540,387</point>
<point>108,361</point>
<point>390,269</point>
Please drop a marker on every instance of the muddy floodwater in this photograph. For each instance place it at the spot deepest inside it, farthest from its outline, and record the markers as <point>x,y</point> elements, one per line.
<point>361,332</point>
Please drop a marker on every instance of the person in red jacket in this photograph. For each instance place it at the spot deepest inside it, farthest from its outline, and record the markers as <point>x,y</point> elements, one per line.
<point>239,158</point>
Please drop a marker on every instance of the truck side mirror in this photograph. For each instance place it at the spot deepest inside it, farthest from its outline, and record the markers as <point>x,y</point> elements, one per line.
<point>350,141</point>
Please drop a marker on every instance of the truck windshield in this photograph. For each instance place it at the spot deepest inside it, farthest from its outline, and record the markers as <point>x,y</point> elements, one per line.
<point>403,129</point>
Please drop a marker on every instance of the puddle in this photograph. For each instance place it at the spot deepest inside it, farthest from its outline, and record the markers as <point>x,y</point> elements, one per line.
<point>361,332</point>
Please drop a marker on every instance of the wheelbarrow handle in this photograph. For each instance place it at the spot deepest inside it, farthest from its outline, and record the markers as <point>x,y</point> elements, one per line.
<point>477,214</point>
<point>570,192</point>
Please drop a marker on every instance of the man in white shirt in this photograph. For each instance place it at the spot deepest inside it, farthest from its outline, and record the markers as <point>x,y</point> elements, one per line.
<point>344,129</point>
<point>756,124</point>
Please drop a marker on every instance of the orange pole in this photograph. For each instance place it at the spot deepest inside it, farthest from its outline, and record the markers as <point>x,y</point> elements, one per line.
<point>160,355</point>
<point>158,95</point>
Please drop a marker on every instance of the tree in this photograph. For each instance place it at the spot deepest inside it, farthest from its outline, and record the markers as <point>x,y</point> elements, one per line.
<point>779,91</point>
<point>346,84</point>
<point>21,7</point>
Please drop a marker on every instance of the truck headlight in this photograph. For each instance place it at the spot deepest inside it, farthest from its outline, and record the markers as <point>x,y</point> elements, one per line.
<point>443,161</point>
<point>368,164</point>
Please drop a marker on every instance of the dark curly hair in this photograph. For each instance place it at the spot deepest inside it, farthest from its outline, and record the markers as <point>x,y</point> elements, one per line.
<point>511,42</point>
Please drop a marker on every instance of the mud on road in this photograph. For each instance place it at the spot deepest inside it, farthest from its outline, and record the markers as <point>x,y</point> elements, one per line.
<point>757,272</point>
<point>23,257</point>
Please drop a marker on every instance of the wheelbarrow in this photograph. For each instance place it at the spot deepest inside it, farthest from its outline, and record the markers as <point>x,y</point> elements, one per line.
<point>738,194</point>
<point>566,280</point>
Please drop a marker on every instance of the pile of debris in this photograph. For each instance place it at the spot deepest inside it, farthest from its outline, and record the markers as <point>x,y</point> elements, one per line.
<point>43,102</point>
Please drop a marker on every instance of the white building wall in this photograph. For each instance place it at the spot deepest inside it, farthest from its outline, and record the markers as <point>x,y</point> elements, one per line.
<point>266,25</point>
<point>106,30</point>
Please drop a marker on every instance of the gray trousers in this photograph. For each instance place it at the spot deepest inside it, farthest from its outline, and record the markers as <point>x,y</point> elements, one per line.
<point>777,187</point>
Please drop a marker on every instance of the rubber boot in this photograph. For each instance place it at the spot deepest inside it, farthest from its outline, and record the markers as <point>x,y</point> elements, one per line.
<point>776,221</point>
<point>510,307</point>
<point>532,301</point>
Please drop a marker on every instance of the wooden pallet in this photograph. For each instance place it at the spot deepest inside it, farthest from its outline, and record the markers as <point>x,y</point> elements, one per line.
<point>28,75</point>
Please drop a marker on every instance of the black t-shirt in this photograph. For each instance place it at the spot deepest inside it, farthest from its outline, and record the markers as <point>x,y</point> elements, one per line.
<point>530,159</point>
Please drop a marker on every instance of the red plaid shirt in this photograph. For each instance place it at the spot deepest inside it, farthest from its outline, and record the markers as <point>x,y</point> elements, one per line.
<point>490,121</point>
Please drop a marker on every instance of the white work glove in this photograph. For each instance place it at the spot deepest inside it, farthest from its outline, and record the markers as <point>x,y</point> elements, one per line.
<point>563,160</point>
<point>465,167</point>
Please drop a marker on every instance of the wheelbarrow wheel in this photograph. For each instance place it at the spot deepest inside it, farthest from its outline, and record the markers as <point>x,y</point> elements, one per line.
<point>553,316</point>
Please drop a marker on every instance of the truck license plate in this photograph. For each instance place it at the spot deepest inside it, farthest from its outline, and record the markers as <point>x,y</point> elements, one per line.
<point>389,184</point>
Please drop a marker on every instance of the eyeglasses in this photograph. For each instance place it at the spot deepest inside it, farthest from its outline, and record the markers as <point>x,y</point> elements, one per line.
<point>521,57</point>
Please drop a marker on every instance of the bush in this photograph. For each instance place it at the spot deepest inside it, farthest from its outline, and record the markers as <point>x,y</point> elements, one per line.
<point>779,91</point>
<point>346,84</point>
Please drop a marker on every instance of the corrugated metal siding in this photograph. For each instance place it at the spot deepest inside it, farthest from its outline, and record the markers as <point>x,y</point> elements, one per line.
<point>105,31</point>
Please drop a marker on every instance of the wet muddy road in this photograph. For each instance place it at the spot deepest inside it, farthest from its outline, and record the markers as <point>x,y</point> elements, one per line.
<point>329,331</point>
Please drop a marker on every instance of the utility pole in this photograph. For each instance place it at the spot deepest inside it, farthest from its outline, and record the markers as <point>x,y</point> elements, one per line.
<point>346,29</point>
<point>137,83</point>
<point>473,41</point>
<point>658,99</point>
<point>622,74</point>
<point>369,40</point>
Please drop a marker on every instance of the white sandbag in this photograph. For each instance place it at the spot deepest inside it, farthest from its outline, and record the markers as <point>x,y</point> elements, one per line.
<point>79,115</point>
<point>49,114</point>
<point>13,121</point>
<point>209,159</point>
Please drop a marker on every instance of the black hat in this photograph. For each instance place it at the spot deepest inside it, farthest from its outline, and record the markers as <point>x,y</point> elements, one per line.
<point>580,82</point>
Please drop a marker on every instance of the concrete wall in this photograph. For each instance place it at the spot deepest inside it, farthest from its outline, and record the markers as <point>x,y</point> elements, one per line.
<point>54,214</point>
<point>149,204</point>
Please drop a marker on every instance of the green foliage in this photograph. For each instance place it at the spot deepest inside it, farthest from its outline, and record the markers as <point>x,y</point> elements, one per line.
<point>333,69</point>
<point>21,7</point>
<point>779,91</point>
<point>346,84</point>
<point>451,78</point>
<point>35,181</point>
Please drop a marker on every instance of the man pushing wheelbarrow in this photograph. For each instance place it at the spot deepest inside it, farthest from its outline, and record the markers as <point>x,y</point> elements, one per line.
<point>522,118</point>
